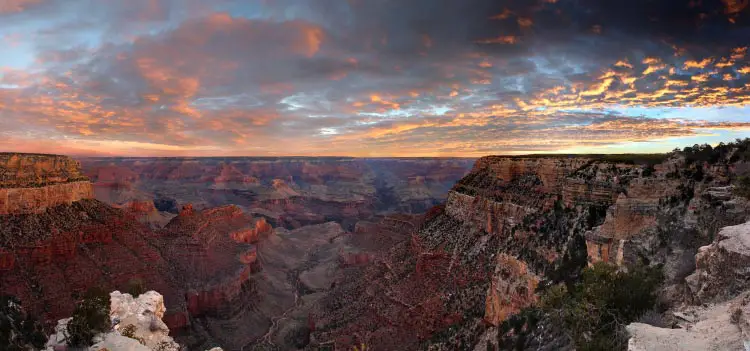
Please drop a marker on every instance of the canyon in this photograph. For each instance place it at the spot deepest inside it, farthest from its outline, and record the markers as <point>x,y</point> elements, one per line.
<point>516,226</point>
<point>289,192</point>
<point>393,254</point>
<point>219,266</point>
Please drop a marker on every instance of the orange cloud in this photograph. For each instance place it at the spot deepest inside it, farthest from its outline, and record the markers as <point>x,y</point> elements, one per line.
<point>505,39</point>
<point>696,64</point>
<point>313,37</point>
<point>11,6</point>
<point>382,105</point>
<point>598,89</point>
<point>739,53</point>
<point>525,22</point>
<point>734,7</point>
<point>623,63</point>
<point>503,15</point>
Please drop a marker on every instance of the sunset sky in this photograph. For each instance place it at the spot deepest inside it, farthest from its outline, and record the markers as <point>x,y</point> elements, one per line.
<point>371,77</point>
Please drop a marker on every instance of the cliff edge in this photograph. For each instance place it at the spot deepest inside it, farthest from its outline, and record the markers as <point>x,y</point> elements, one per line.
<point>32,183</point>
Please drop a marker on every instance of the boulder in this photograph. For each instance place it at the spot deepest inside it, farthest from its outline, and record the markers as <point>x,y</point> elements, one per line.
<point>723,326</point>
<point>137,326</point>
<point>722,268</point>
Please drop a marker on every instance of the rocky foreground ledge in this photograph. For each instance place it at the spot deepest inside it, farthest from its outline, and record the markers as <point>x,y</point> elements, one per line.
<point>720,283</point>
<point>136,326</point>
<point>32,183</point>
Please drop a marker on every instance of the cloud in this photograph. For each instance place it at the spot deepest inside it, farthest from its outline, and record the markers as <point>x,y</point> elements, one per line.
<point>13,6</point>
<point>335,77</point>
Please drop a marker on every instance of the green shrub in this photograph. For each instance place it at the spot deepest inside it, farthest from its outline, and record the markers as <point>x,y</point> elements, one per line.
<point>596,310</point>
<point>648,170</point>
<point>18,330</point>
<point>90,317</point>
<point>136,287</point>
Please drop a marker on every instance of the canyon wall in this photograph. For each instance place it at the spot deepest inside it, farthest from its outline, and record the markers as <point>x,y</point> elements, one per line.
<point>551,171</point>
<point>514,226</point>
<point>56,242</point>
<point>38,199</point>
<point>31,170</point>
<point>32,183</point>
<point>460,273</point>
<point>288,191</point>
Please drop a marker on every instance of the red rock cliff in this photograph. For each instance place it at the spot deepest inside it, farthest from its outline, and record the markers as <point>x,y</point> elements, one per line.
<point>32,183</point>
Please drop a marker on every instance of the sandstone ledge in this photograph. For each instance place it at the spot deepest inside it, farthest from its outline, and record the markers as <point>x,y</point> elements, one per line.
<point>718,327</point>
<point>39,199</point>
<point>37,170</point>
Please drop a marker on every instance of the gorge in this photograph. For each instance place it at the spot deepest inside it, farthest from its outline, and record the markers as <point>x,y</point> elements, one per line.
<point>394,254</point>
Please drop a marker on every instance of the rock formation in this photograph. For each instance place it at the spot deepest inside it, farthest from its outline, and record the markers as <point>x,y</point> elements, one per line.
<point>459,276</point>
<point>724,326</point>
<point>720,282</point>
<point>31,183</point>
<point>516,225</point>
<point>33,170</point>
<point>511,289</point>
<point>722,267</point>
<point>289,192</point>
<point>146,213</point>
<point>203,261</point>
<point>136,326</point>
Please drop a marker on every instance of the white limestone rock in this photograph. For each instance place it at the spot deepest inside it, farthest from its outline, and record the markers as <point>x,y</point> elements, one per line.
<point>59,337</point>
<point>722,326</point>
<point>722,268</point>
<point>114,341</point>
<point>144,313</point>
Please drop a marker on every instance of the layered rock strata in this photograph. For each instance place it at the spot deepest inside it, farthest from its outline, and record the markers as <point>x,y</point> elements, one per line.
<point>289,192</point>
<point>722,268</point>
<point>32,183</point>
<point>516,225</point>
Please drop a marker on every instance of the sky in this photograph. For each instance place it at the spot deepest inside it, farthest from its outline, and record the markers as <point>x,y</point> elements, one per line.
<point>371,77</point>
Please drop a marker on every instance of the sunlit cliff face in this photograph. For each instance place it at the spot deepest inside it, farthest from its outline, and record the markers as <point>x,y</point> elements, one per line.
<point>371,78</point>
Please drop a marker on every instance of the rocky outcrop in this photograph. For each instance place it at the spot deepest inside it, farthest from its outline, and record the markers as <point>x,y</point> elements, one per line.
<point>146,213</point>
<point>194,260</point>
<point>136,326</point>
<point>31,183</point>
<point>252,234</point>
<point>520,225</point>
<point>551,171</point>
<point>145,313</point>
<point>722,268</point>
<point>629,216</point>
<point>512,289</point>
<point>725,326</point>
<point>34,170</point>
